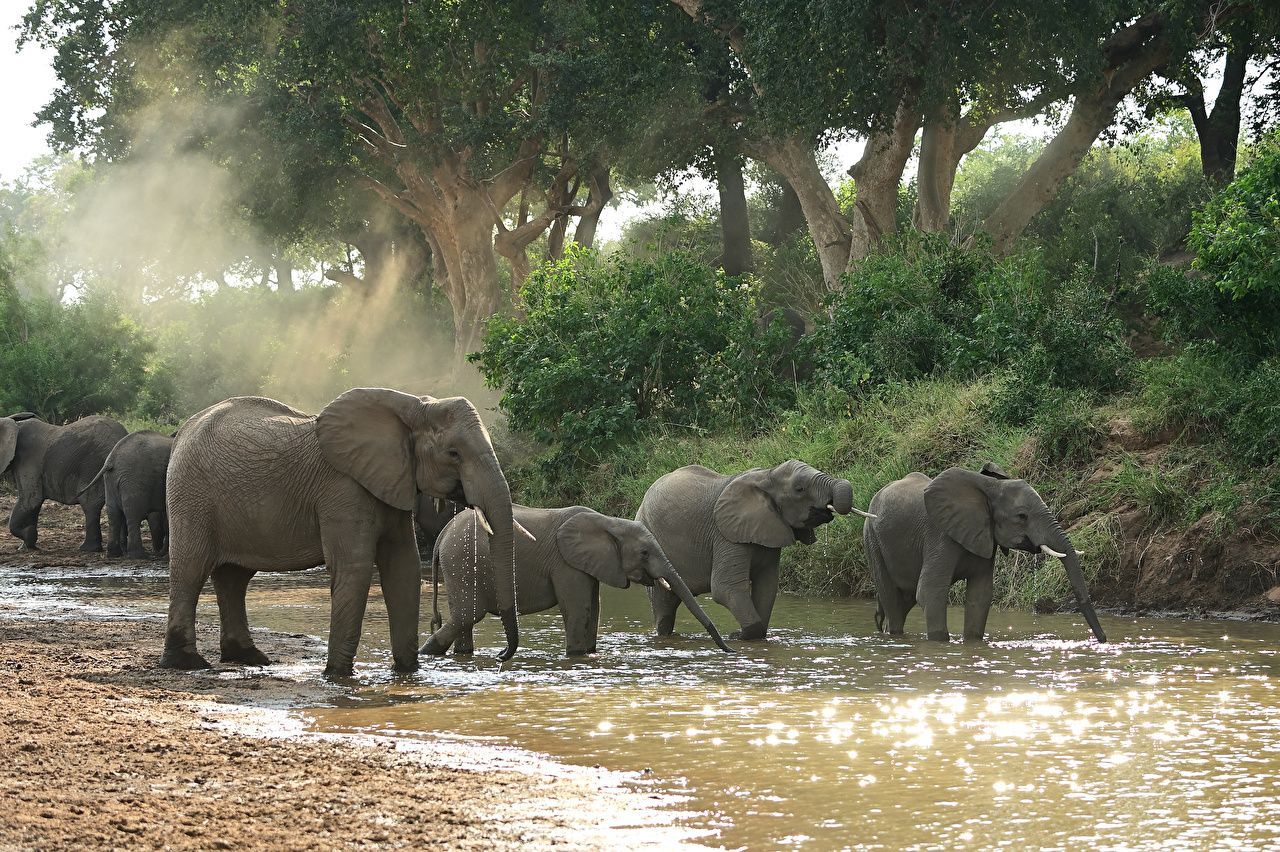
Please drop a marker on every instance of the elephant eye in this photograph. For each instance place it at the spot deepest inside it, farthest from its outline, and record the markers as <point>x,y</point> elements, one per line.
<point>1022,516</point>
<point>454,454</point>
<point>799,489</point>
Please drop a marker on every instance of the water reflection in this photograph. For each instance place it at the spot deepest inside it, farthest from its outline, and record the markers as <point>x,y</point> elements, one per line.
<point>828,736</point>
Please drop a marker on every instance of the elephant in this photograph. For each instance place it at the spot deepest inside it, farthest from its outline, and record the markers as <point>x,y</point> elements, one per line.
<point>724,534</point>
<point>576,550</point>
<point>255,485</point>
<point>430,517</point>
<point>133,477</point>
<point>929,533</point>
<point>51,462</point>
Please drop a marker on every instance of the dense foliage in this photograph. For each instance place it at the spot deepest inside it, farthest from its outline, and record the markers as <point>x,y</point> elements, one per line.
<point>1237,236</point>
<point>608,348</point>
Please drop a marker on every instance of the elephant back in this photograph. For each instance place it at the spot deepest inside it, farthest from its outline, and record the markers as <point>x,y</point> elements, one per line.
<point>75,456</point>
<point>677,509</point>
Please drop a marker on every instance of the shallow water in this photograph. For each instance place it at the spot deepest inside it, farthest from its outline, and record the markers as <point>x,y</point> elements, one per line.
<point>828,736</point>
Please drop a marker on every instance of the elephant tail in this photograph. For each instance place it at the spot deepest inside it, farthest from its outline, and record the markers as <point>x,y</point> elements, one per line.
<point>436,620</point>
<point>106,465</point>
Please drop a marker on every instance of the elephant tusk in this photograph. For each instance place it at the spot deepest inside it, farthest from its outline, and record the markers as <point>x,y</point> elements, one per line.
<point>1049,551</point>
<point>484,522</point>
<point>520,529</point>
<point>858,511</point>
<point>662,581</point>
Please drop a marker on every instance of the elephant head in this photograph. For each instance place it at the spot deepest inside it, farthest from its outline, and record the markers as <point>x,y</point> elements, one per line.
<point>8,442</point>
<point>776,506</point>
<point>395,445</point>
<point>980,511</point>
<point>619,552</point>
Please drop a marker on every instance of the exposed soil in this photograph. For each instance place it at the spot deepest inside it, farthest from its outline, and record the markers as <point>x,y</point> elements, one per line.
<point>101,749</point>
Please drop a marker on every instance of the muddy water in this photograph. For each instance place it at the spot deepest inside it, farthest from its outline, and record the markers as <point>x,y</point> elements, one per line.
<point>828,736</point>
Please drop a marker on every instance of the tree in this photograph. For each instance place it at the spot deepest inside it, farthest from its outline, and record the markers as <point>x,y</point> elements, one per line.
<point>478,122</point>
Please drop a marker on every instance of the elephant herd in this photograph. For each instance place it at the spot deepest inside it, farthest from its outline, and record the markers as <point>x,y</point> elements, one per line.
<point>251,484</point>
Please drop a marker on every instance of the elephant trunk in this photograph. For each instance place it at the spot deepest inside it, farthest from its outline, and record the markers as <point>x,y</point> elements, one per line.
<point>677,585</point>
<point>1057,539</point>
<point>490,494</point>
<point>841,496</point>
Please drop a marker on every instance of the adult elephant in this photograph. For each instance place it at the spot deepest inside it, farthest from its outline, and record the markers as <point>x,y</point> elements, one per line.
<point>133,477</point>
<point>576,549</point>
<point>929,533</point>
<point>255,485</point>
<point>724,534</point>
<point>55,463</point>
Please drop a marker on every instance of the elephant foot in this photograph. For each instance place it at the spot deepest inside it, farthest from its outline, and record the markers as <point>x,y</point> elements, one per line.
<point>405,666</point>
<point>939,636</point>
<point>236,653</point>
<point>140,555</point>
<point>579,652</point>
<point>114,552</point>
<point>334,671</point>
<point>975,637</point>
<point>432,648</point>
<point>463,650</point>
<point>90,547</point>
<point>180,658</point>
<point>750,633</point>
<point>28,546</point>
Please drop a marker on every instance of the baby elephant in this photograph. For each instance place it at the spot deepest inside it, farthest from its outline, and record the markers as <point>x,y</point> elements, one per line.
<point>134,478</point>
<point>576,550</point>
<point>929,533</point>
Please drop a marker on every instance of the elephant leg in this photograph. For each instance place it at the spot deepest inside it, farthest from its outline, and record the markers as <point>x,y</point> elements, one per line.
<point>731,588</point>
<point>932,592</point>
<point>159,534</point>
<point>664,605</point>
<point>92,526</point>
<point>465,644</point>
<point>134,546</point>
<point>764,585</point>
<point>230,583</point>
<point>399,573</point>
<point>187,575</point>
<point>23,520</point>
<point>579,597</point>
<point>977,603</point>
<point>437,645</point>
<point>119,530</point>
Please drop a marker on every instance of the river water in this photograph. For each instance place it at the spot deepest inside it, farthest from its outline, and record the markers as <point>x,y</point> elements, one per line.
<point>829,736</point>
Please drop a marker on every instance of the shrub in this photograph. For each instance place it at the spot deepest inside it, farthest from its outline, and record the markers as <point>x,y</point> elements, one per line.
<point>1236,236</point>
<point>1193,307</point>
<point>65,361</point>
<point>924,307</point>
<point>610,348</point>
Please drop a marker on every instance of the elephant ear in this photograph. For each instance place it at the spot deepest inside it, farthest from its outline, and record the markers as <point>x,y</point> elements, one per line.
<point>366,434</point>
<point>8,442</point>
<point>744,512</point>
<point>957,503</point>
<point>587,545</point>
<point>994,471</point>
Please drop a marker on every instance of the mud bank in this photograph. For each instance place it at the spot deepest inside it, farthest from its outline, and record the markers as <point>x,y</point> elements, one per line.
<point>102,750</point>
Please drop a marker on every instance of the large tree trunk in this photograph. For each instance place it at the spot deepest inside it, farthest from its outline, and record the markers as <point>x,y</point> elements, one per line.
<point>735,229</point>
<point>472,278</point>
<point>1140,49</point>
<point>589,217</point>
<point>877,176</point>
<point>835,237</point>
<point>790,217</point>
<point>1219,130</point>
<point>936,175</point>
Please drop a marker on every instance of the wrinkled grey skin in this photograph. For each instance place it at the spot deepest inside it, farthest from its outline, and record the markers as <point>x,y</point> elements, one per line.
<point>429,522</point>
<point>929,533</point>
<point>133,478</point>
<point>576,550</point>
<point>255,485</point>
<point>724,534</point>
<point>56,463</point>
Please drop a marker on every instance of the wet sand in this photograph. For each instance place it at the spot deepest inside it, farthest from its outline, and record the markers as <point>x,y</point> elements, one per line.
<point>102,749</point>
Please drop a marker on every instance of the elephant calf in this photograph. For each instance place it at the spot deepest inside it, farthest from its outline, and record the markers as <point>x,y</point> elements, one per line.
<point>133,476</point>
<point>929,533</point>
<point>724,534</point>
<point>576,550</point>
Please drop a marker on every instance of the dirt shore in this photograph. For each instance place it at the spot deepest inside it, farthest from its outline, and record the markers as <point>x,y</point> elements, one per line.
<point>102,749</point>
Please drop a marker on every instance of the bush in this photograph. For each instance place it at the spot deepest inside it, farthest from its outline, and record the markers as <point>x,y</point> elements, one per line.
<point>1193,307</point>
<point>925,307</point>
<point>608,349</point>
<point>66,361</point>
<point>1237,236</point>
